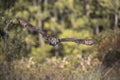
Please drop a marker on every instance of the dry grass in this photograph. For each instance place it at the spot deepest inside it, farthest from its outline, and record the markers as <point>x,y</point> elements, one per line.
<point>55,69</point>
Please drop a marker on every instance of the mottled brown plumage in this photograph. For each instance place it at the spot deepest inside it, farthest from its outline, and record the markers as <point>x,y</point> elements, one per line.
<point>79,41</point>
<point>51,39</point>
<point>30,27</point>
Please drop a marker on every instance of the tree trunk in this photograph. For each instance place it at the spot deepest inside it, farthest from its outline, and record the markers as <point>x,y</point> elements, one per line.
<point>116,20</point>
<point>86,7</point>
<point>97,29</point>
<point>40,22</point>
<point>40,25</point>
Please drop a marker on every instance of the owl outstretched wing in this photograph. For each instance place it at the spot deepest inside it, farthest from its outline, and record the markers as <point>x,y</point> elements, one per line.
<point>79,41</point>
<point>30,27</point>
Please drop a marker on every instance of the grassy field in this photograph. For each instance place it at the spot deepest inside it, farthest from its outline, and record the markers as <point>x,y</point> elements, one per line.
<point>57,69</point>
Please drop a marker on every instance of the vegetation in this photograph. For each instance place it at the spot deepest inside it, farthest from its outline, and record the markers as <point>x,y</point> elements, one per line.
<point>26,56</point>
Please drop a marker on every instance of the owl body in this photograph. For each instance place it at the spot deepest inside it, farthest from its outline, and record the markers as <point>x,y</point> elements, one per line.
<point>53,41</point>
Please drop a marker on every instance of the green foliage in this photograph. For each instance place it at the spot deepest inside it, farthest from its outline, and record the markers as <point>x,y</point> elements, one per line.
<point>11,44</point>
<point>57,19</point>
<point>84,19</point>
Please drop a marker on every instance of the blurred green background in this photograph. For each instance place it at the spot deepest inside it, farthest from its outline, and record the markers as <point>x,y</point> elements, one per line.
<point>27,56</point>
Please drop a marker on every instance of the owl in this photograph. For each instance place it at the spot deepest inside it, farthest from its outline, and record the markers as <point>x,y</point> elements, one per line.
<point>52,40</point>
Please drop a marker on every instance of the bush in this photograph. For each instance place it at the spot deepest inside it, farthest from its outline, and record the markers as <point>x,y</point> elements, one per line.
<point>109,48</point>
<point>109,54</point>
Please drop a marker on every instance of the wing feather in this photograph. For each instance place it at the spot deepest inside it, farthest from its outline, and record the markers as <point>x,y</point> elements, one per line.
<point>79,41</point>
<point>30,27</point>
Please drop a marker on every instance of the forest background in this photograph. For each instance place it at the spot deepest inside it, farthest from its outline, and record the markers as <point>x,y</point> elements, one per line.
<point>27,56</point>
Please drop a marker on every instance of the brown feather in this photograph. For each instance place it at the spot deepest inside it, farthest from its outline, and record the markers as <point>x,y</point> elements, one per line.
<point>30,27</point>
<point>79,41</point>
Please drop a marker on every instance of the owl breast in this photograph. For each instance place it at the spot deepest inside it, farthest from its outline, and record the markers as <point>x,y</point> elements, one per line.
<point>53,41</point>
